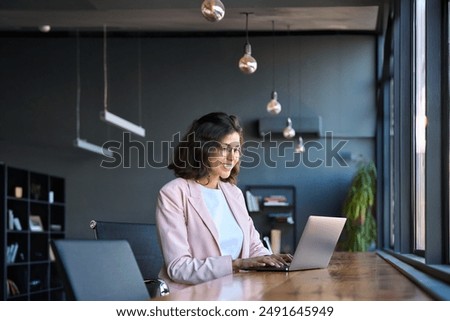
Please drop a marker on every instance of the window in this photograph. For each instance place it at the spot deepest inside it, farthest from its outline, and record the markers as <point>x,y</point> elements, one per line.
<point>419,140</point>
<point>415,201</point>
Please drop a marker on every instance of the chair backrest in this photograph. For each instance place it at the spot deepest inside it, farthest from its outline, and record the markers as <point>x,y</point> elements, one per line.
<point>142,238</point>
<point>93,270</point>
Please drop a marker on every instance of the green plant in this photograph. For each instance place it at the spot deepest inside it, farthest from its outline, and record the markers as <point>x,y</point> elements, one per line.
<point>361,228</point>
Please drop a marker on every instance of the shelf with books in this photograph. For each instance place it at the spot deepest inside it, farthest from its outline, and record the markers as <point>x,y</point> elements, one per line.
<point>273,208</point>
<point>32,213</point>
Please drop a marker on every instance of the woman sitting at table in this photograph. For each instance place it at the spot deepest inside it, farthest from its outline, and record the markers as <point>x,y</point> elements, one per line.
<point>204,228</point>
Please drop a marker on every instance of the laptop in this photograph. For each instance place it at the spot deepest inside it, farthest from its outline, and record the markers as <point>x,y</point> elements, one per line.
<point>316,245</point>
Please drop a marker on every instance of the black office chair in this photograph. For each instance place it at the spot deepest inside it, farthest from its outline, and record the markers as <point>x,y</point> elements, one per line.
<point>93,270</point>
<point>143,240</point>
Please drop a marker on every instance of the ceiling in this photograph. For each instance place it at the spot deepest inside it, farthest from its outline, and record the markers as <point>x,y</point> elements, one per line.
<point>185,15</point>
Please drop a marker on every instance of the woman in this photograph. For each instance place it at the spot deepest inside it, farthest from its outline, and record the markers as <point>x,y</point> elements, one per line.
<point>204,228</point>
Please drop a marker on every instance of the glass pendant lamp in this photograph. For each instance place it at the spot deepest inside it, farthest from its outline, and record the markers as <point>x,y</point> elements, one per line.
<point>273,107</point>
<point>247,64</point>
<point>213,10</point>
<point>300,148</point>
<point>288,131</point>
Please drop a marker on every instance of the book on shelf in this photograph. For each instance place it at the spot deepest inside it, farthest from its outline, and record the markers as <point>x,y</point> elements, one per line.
<point>252,202</point>
<point>11,252</point>
<point>10,220</point>
<point>275,200</point>
<point>13,222</point>
<point>51,255</point>
<point>282,217</point>
<point>56,227</point>
<point>17,224</point>
<point>12,289</point>
<point>276,204</point>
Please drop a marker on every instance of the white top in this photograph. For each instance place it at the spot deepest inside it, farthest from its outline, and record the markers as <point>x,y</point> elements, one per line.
<point>230,234</point>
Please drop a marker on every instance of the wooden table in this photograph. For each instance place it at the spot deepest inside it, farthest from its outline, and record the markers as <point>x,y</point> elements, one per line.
<point>350,276</point>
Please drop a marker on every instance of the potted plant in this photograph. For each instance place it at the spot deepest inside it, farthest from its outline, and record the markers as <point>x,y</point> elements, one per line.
<point>361,228</point>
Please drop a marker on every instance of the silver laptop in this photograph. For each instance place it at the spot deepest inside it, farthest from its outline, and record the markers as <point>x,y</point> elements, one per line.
<point>316,245</point>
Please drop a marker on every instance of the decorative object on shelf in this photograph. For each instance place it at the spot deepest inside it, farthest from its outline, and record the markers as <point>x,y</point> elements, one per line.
<point>36,223</point>
<point>106,115</point>
<point>247,64</point>
<point>300,147</point>
<point>18,192</point>
<point>78,142</point>
<point>35,191</point>
<point>288,131</point>
<point>51,197</point>
<point>213,10</point>
<point>45,28</point>
<point>273,107</point>
<point>361,228</point>
<point>275,237</point>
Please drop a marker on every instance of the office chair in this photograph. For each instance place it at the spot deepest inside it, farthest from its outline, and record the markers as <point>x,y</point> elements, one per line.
<point>143,240</point>
<point>93,270</point>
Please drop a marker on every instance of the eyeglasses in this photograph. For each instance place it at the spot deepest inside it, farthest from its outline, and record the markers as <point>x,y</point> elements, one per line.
<point>226,149</point>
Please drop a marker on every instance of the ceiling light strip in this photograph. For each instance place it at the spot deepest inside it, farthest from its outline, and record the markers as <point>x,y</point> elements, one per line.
<point>84,144</point>
<point>107,116</point>
<point>122,123</point>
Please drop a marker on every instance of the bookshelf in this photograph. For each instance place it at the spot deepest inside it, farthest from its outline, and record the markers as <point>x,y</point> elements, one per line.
<point>32,208</point>
<point>273,207</point>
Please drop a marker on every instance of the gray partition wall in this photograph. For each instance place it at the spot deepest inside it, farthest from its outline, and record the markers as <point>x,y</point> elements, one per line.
<point>177,80</point>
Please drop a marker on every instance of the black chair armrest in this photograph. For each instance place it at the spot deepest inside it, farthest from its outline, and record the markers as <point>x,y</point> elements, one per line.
<point>157,287</point>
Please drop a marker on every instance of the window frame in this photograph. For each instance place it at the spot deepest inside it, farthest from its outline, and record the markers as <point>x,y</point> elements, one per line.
<point>433,268</point>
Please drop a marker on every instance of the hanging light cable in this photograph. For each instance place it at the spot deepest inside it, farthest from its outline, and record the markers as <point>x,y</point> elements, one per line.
<point>300,147</point>
<point>106,115</point>
<point>213,10</point>
<point>247,64</point>
<point>289,131</point>
<point>273,107</point>
<point>78,142</point>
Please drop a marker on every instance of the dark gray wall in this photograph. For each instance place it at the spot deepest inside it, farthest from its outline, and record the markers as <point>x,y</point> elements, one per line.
<point>332,76</point>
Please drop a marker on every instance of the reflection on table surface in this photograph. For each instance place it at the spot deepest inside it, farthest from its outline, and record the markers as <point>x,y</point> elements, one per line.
<point>349,276</point>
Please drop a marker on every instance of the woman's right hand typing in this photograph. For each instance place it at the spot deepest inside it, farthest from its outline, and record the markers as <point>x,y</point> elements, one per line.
<point>277,260</point>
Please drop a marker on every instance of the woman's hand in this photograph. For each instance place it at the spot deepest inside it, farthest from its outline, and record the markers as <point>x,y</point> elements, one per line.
<point>277,260</point>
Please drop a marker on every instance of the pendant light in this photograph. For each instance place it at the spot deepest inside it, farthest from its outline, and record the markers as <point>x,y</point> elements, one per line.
<point>213,10</point>
<point>106,115</point>
<point>300,148</point>
<point>273,107</point>
<point>288,131</point>
<point>78,142</point>
<point>247,64</point>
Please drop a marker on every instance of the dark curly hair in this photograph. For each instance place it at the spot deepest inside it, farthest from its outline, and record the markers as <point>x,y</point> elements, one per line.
<point>190,160</point>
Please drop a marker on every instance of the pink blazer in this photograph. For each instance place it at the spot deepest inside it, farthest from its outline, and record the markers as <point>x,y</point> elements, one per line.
<point>189,238</point>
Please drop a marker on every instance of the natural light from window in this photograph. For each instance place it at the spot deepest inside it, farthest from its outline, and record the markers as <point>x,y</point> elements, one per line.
<point>420,125</point>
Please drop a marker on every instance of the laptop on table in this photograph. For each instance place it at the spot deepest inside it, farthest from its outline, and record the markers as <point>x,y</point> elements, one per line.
<point>316,245</point>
